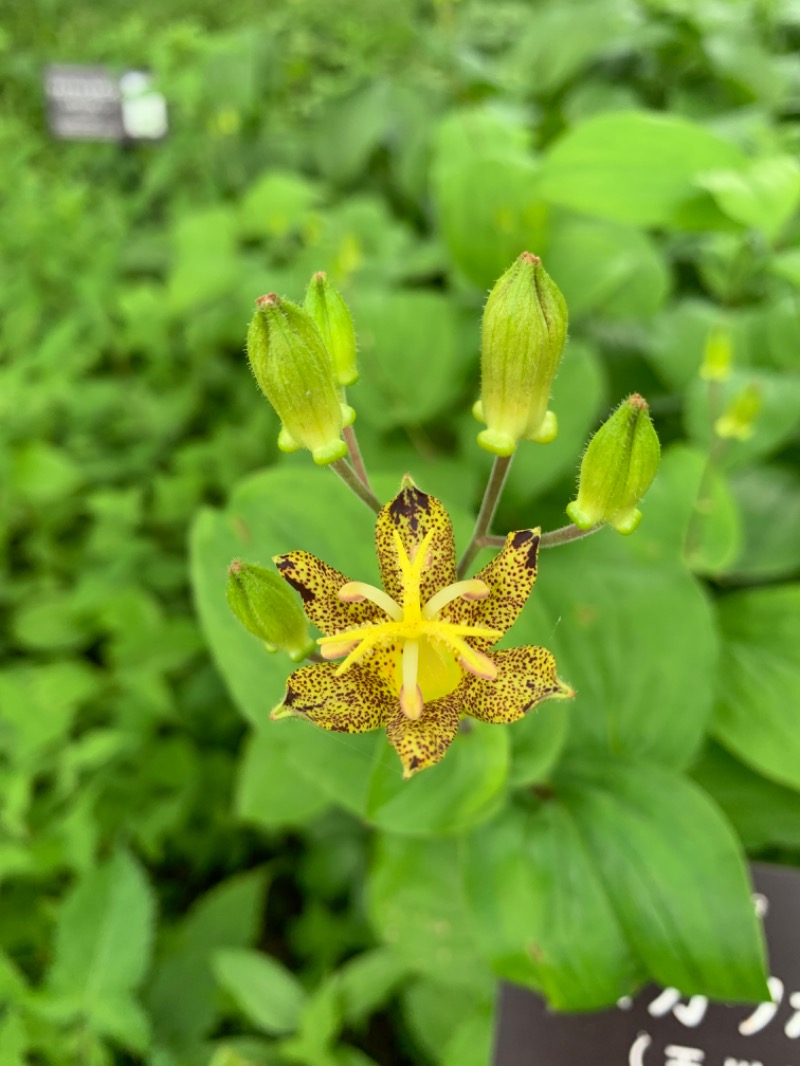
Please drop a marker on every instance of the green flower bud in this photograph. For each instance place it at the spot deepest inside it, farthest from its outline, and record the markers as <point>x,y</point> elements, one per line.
<point>266,607</point>
<point>717,355</point>
<point>737,421</point>
<point>327,307</point>
<point>617,468</point>
<point>293,369</point>
<point>522,340</point>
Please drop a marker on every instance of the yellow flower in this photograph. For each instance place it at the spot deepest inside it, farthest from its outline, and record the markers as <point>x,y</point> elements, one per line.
<point>416,653</point>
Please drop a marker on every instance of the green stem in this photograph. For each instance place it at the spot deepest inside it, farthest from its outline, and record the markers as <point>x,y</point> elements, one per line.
<point>354,482</point>
<point>704,498</point>
<point>564,535</point>
<point>491,498</point>
<point>356,457</point>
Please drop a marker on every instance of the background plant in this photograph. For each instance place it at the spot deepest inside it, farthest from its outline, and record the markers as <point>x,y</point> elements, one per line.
<point>411,151</point>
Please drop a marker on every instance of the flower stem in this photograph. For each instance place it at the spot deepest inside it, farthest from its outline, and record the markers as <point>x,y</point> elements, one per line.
<point>354,482</point>
<point>356,457</point>
<point>564,535</point>
<point>491,498</point>
<point>314,657</point>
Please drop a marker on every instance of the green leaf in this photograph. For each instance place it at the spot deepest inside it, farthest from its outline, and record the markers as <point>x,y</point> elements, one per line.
<point>537,742</point>
<point>485,192</point>
<point>758,682</point>
<point>13,1040</point>
<point>270,792</point>
<point>472,1042</point>
<point>367,982</point>
<point>459,792</point>
<point>436,1010</point>
<point>416,903</point>
<point>276,204</point>
<point>350,131</point>
<point>662,849</point>
<point>541,910</point>
<point>763,196</point>
<point>40,703</point>
<point>614,271</point>
<point>762,813</point>
<point>397,332</point>
<point>40,473</point>
<point>102,949</point>
<point>181,996</point>
<point>263,990</point>
<point>611,628</point>
<point>768,498</point>
<point>635,167</point>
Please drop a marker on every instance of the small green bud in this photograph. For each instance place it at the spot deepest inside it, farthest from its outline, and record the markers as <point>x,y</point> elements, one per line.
<point>266,607</point>
<point>293,369</point>
<point>522,340</point>
<point>327,307</point>
<point>717,355</point>
<point>617,468</point>
<point>737,421</point>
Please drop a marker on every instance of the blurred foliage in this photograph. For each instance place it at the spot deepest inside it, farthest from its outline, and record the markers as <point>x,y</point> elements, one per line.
<point>646,148</point>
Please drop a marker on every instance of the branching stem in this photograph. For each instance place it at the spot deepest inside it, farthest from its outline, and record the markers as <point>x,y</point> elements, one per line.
<point>356,458</point>
<point>354,482</point>
<point>491,498</point>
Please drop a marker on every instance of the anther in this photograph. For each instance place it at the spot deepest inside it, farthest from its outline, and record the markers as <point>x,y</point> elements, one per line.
<point>472,589</point>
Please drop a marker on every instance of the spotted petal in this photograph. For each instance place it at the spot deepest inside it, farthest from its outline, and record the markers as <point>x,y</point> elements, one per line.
<point>318,585</point>
<point>414,514</point>
<point>354,702</point>
<point>525,677</point>
<point>510,577</point>
<point>423,742</point>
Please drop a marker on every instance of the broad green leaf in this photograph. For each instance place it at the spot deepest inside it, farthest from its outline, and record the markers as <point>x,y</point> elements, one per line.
<point>181,996</point>
<point>484,184</point>
<point>204,258</point>
<point>39,473</point>
<point>401,383</point>
<point>768,498</point>
<point>102,948</point>
<point>270,792</point>
<point>763,196</point>
<point>264,990</point>
<point>435,1010</point>
<point>635,167</point>
<point>350,131</point>
<point>613,271</point>
<point>611,629</point>
<point>460,792</point>
<point>541,910</point>
<point>762,813</point>
<point>537,742</point>
<point>14,1042</point>
<point>758,682</point>
<point>471,1044</point>
<point>367,981</point>
<point>276,204</point>
<point>416,904</point>
<point>674,874</point>
<point>40,703</point>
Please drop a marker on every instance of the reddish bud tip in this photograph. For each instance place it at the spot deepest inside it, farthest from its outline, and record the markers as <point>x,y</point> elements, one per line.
<point>270,300</point>
<point>319,276</point>
<point>529,257</point>
<point>635,400</point>
<point>235,566</point>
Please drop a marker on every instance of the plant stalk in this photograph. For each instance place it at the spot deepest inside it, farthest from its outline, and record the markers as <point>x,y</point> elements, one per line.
<point>491,498</point>
<point>356,458</point>
<point>354,482</point>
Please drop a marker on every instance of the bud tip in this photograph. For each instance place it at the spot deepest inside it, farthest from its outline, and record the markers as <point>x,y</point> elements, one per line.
<point>271,299</point>
<point>529,257</point>
<point>635,400</point>
<point>235,566</point>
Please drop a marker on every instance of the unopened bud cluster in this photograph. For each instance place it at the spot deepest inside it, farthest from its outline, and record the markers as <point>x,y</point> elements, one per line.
<point>301,357</point>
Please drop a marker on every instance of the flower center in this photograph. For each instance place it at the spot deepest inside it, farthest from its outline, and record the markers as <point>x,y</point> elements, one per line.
<point>421,643</point>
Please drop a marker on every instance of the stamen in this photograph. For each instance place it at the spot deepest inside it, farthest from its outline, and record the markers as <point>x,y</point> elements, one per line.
<point>377,635</point>
<point>478,663</point>
<point>472,589</point>
<point>411,701</point>
<point>358,591</point>
<point>336,651</point>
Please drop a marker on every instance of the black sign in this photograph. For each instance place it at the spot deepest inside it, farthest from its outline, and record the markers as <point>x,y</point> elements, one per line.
<point>91,104</point>
<point>660,1027</point>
